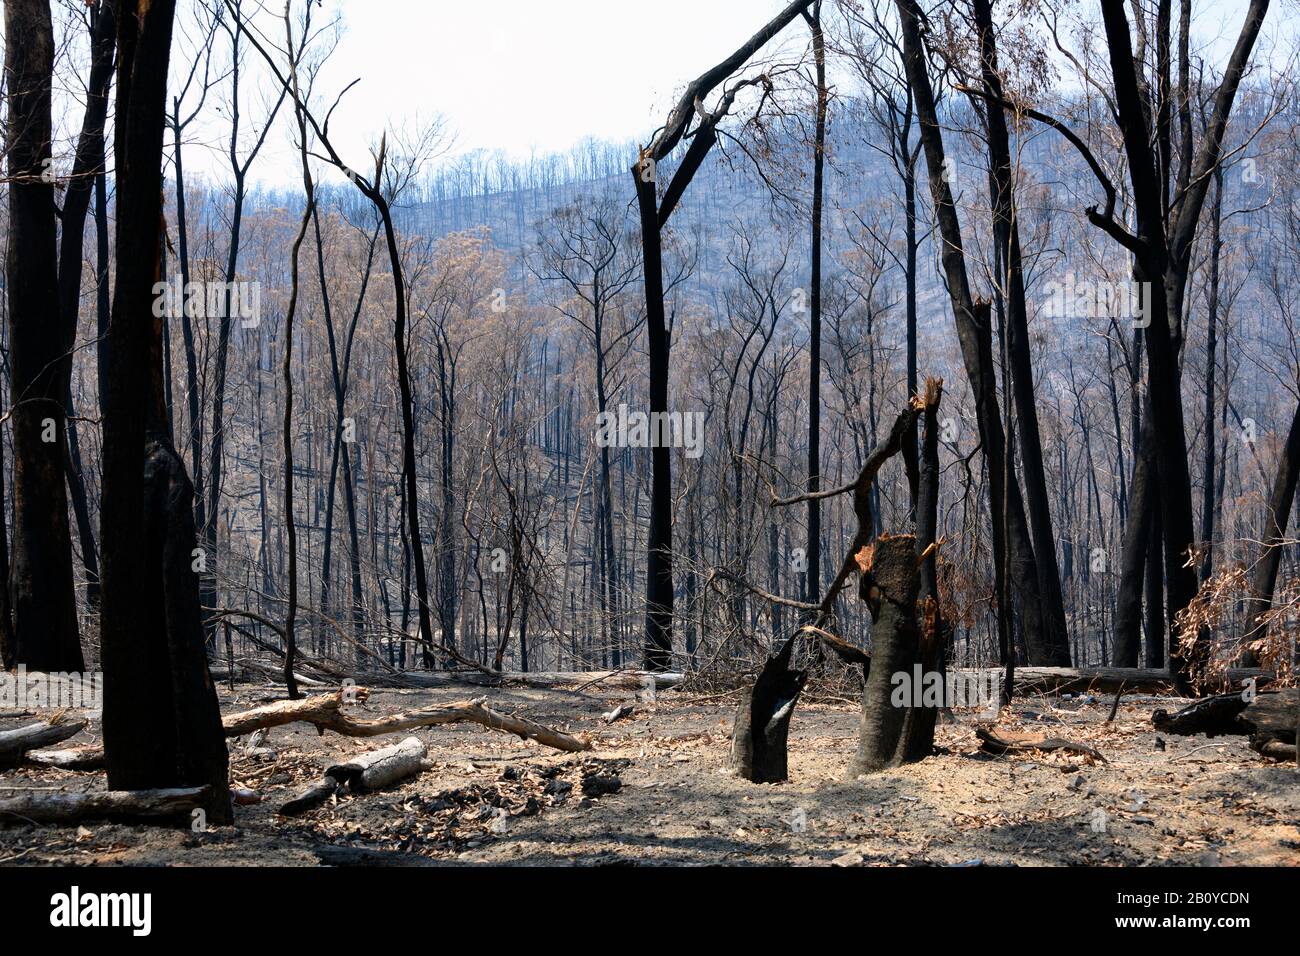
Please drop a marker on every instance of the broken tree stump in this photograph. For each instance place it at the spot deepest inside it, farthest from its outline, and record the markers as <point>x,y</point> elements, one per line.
<point>890,586</point>
<point>29,806</point>
<point>363,773</point>
<point>759,737</point>
<point>15,743</point>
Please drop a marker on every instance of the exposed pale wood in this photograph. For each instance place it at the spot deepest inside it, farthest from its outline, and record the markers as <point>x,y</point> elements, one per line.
<point>24,806</point>
<point>362,773</point>
<point>1109,680</point>
<point>89,757</point>
<point>1011,742</point>
<point>15,743</point>
<point>377,769</point>
<point>326,711</point>
<point>621,712</point>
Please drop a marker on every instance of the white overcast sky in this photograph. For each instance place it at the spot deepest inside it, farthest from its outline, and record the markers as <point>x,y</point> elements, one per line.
<point>518,75</point>
<point>512,75</point>
<point>523,75</point>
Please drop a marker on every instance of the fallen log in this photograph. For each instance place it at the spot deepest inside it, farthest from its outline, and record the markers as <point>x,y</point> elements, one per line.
<point>1109,680</point>
<point>15,743</point>
<point>28,806</point>
<point>89,757</point>
<point>1212,716</point>
<point>544,680</point>
<point>1011,742</point>
<point>1271,719</point>
<point>1268,718</point>
<point>325,711</point>
<point>620,712</point>
<point>363,773</point>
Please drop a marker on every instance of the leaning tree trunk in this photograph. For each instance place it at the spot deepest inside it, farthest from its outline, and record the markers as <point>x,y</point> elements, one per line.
<point>162,727</point>
<point>1276,519</point>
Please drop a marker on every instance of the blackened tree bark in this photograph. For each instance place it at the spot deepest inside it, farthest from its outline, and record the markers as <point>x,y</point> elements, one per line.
<point>1208,497</point>
<point>7,643</point>
<point>1276,518</point>
<point>162,726</point>
<point>1006,236</point>
<point>1013,554</point>
<point>87,166</point>
<point>340,376</point>
<point>209,519</point>
<point>814,579</point>
<point>1162,249</point>
<point>655,214</point>
<point>379,198</point>
<point>1127,639</point>
<point>44,602</point>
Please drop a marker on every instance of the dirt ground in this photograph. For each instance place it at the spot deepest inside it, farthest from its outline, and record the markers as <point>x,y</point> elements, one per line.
<point>656,791</point>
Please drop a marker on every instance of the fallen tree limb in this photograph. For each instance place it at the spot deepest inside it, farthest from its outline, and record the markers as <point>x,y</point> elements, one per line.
<point>1212,716</point>
<point>325,711</point>
<point>1109,680</point>
<point>363,773</point>
<point>28,806</point>
<point>15,743</point>
<point>1011,742</point>
<point>89,757</point>
<point>544,680</point>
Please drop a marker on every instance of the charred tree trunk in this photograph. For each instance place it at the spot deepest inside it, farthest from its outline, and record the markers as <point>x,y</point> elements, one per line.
<point>1006,234</point>
<point>655,214</point>
<point>162,727</point>
<point>890,586</point>
<point>87,165</point>
<point>1013,552</point>
<point>1276,519</point>
<point>814,578</point>
<point>44,602</point>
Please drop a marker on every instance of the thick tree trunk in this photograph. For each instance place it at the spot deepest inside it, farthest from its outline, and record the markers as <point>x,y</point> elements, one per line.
<point>161,723</point>
<point>44,603</point>
<point>659,562</point>
<point>890,586</point>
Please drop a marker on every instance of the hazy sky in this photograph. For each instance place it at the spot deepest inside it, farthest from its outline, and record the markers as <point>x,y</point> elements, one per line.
<point>517,75</point>
<point>520,74</point>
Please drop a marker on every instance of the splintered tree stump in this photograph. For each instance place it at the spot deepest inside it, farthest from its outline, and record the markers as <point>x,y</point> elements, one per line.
<point>890,584</point>
<point>762,728</point>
